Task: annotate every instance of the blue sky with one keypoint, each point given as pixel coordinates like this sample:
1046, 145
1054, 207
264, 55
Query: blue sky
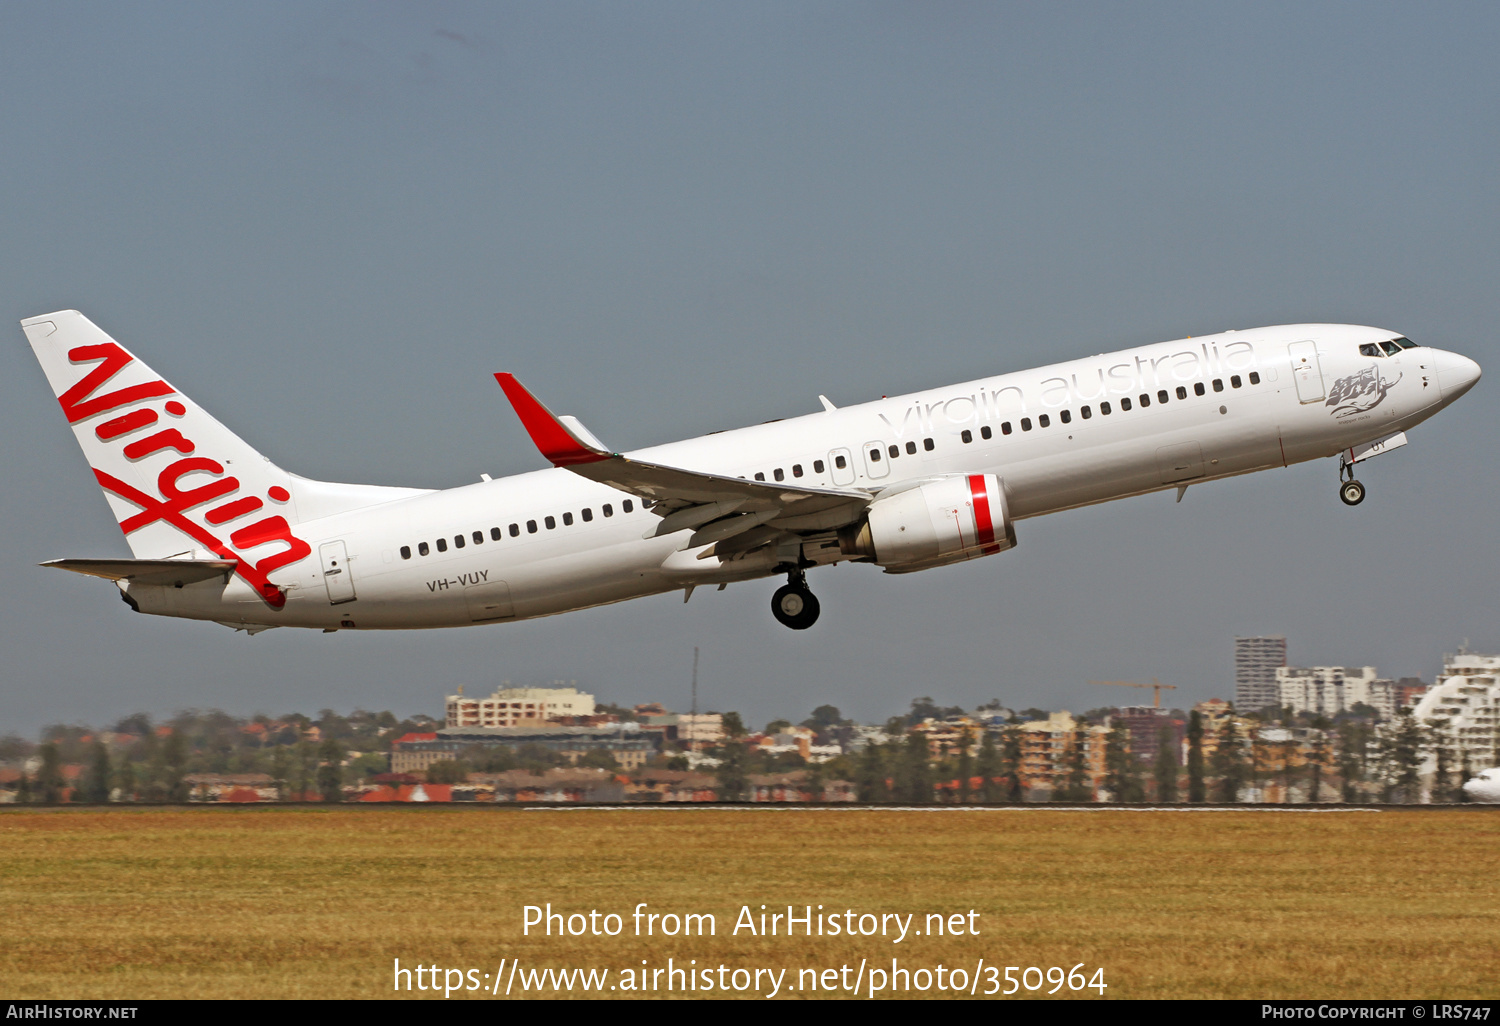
330, 223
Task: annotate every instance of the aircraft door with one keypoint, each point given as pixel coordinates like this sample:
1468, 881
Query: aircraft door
841, 466
875, 462
336, 575
1306, 371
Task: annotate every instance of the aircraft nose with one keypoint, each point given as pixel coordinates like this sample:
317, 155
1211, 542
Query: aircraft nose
1456, 374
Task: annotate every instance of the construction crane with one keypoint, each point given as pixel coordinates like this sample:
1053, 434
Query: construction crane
1156, 686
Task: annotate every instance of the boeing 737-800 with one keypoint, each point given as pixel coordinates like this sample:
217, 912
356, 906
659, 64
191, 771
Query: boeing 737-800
219, 532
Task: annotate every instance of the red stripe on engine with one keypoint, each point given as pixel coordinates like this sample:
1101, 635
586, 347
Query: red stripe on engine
982, 520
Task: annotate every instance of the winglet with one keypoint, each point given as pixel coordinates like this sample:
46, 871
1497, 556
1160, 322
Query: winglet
563, 447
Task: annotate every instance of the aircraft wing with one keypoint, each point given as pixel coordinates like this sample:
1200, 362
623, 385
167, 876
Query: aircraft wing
149, 571
684, 498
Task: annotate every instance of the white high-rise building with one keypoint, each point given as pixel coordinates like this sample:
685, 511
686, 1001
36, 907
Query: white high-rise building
1255, 663
1465, 705
1326, 690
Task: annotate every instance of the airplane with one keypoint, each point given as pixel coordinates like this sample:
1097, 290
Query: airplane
1484, 786
218, 532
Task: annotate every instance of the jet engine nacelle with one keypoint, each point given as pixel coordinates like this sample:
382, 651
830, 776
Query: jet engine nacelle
943, 521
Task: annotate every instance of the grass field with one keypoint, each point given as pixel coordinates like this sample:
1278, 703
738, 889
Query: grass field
317, 902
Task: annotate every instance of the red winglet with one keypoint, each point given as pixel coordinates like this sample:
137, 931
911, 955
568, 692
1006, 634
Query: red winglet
554, 440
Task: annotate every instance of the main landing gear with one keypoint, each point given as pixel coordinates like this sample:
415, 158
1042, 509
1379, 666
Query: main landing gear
793, 605
1350, 491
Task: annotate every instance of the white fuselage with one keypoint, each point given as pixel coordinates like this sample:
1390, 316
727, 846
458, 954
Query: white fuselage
1254, 413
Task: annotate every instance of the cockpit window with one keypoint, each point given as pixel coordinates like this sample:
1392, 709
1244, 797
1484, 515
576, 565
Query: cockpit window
1391, 348
1370, 349
1405, 343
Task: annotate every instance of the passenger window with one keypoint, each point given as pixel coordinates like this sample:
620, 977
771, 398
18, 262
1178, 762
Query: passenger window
627, 506
911, 447
817, 466
531, 527
1234, 381
442, 544
1218, 384
1125, 404
985, 432
1255, 377
796, 470
406, 552
779, 474
1198, 389
515, 530
1369, 349
496, 534
587, 514
1085, 413
607, 510
1104, 408
874, 455
840, 462
422, 549
966, 435
927, 444
458, 541
1163, 395
1043, 420
1391, 348
551, 523
894, 451
1146, 399
1025, 423
568, 519
1066, 416
478, 537
758, 477
1005, 427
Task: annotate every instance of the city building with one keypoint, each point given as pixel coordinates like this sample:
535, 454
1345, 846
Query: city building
1145, 726
1047, 747
230, 787
1215, 713
947, 737
413, 753
514, 707
1255, 663
796, 787
700, 730
1329, 690
555, 785
1389, 697
1464, 705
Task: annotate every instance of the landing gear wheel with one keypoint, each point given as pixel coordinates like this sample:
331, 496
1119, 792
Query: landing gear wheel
1352, 492
795, 607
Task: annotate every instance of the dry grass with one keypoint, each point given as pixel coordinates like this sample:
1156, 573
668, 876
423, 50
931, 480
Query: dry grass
317, 902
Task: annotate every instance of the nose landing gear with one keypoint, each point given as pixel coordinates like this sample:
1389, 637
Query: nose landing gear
793, 605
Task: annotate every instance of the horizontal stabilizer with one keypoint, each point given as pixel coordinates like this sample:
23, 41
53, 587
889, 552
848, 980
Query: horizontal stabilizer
149, 571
